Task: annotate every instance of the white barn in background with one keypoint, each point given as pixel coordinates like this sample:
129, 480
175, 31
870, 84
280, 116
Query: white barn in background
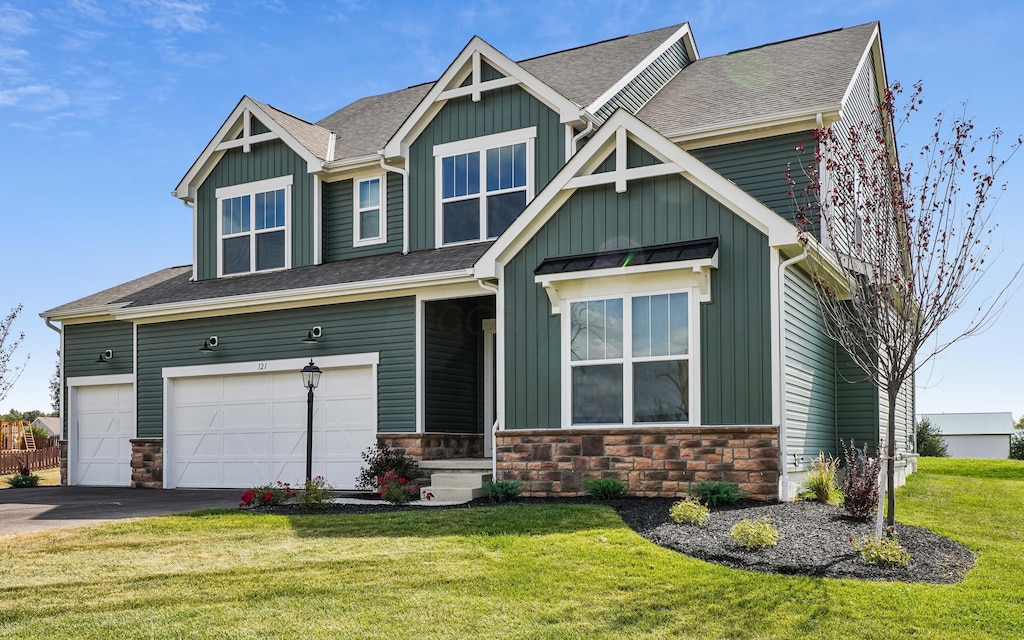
974, 435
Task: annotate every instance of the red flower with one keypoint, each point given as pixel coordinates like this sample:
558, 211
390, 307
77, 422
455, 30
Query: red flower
401, 481
268, 497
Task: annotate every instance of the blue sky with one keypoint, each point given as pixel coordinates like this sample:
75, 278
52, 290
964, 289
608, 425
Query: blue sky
105, 104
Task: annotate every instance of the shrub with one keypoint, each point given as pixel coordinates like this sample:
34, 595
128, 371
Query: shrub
23, 480
396, 489
605, 488
316, 494
503, 490
690, 511
930, 441
714, 493
884, 551
860, 488
378, 461
267, 495
754, 534
1017, 442
821, 481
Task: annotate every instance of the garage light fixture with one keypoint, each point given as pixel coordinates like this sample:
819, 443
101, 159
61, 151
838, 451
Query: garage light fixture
209, 344
105, 357
313, 335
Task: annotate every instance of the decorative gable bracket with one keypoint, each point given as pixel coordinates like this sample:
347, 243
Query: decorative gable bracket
247, 139
621, 175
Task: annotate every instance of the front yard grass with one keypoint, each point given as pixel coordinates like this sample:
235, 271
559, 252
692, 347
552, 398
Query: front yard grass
47, 478
546, 571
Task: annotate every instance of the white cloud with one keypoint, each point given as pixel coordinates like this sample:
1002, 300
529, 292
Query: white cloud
14, 22
172, 15
38, 97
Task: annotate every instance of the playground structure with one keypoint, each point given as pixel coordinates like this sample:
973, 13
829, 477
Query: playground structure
17, 436
19, 450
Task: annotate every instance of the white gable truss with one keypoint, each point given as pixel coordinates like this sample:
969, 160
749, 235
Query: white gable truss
227, 137
469, 64
579, 173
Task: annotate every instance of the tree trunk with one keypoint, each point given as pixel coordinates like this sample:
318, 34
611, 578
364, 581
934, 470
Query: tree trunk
890, 451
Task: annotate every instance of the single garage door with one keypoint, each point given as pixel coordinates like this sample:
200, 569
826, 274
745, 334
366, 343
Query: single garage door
245, 430
104, 425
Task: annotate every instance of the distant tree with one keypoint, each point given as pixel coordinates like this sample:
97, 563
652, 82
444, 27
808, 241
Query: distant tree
930, 442
909, 242
27, 416
1017, 441
9, 371
55, 387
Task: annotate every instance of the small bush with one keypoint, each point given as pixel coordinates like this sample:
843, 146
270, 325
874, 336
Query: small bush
378, 461
396, 489
23, 480
754, 534
605, 488
884, 551
1017, 442
860, 487
930, 441
316, 494
821, 481
503, 490
714, 493
267, 495
690, 511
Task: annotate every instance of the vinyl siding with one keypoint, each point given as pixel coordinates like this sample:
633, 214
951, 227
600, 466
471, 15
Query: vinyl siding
759, 167
501, 110
735, 365
648, 82
636, 156
383, 326
857, 406
339, 220
83, 344
265, 160
810, 383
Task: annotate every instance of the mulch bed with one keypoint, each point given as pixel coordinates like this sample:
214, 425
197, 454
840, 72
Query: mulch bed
814, 539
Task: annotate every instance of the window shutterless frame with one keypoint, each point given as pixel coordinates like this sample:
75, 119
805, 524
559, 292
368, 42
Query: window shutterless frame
363, 207
246, 195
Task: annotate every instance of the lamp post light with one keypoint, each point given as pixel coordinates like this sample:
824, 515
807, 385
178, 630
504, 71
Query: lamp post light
310, 380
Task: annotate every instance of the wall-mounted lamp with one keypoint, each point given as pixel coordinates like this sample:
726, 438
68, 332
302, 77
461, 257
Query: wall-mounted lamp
105, 357
314, 335
209, 344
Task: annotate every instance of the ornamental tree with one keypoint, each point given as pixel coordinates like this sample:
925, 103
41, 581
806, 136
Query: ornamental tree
9, 343
902, 246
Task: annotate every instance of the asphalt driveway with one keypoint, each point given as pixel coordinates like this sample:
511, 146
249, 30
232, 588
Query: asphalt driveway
23, 510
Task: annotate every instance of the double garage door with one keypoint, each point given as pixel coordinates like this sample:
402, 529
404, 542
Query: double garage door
234, 430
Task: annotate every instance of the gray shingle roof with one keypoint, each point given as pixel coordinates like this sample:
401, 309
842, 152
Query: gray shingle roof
174, 285
315, 138
785, 77
363, 127
122, 291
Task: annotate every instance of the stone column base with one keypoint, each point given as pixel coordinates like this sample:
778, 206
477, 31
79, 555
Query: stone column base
63, 463
435, 446
147, 463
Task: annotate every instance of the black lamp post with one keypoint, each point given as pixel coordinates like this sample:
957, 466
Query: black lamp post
310, 380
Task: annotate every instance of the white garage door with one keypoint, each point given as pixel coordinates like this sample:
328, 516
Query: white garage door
238, 431
104, 424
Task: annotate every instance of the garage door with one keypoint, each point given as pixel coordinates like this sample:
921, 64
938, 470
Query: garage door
104, 424
237, 431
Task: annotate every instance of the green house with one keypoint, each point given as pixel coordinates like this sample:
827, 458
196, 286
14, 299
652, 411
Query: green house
583, 264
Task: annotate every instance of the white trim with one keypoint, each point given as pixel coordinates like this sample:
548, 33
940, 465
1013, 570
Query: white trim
490, 332
246, 141
864, 57
93, 381
420, 368
257, 186
481, 143
435, 99
251, 189
270, 366
64, 415
755, 127
318, 219
774, 260
619, 177
382, 207
194, 206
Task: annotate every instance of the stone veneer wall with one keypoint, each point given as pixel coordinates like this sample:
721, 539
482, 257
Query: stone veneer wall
435, 446
147, 463
63, 463
658, 461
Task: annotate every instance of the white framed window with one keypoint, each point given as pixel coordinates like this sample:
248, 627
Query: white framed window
369, 215
483, 184
254, 226
630, 360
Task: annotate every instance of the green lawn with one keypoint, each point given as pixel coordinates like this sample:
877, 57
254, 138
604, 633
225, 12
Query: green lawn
524, 572
47, 478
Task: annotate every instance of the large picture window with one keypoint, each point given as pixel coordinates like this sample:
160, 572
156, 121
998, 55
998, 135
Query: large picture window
629, 359
484, 184
253, 226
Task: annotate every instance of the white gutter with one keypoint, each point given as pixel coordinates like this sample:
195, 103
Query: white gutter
405, 201
783, 470
576, 138
497, 421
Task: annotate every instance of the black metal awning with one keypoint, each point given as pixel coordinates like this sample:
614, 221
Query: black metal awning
655, 254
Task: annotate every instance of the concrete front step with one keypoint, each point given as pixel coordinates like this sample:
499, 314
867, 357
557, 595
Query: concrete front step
456, 480
459, 479
452, 494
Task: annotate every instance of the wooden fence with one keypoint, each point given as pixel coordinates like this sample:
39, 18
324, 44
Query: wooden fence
11, 461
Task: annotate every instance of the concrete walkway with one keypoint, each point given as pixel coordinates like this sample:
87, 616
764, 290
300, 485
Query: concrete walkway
24, 510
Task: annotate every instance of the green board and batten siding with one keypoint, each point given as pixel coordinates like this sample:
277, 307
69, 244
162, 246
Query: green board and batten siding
497, 111
83, 344
339, 215
735, 326
384, 326
264, 161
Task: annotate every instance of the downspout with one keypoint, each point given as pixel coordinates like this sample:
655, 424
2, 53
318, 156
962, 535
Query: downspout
60, 414
783, 463
405, 200
579, 136
497, 422
195, 238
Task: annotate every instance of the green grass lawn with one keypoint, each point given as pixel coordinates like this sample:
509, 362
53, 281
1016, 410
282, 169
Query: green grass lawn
47, 478
523, 572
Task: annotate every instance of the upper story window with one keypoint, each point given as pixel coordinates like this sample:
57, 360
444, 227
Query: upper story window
252, 226
483, 184
369, 224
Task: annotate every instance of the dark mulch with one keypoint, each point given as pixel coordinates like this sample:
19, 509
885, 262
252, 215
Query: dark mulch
814, 539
